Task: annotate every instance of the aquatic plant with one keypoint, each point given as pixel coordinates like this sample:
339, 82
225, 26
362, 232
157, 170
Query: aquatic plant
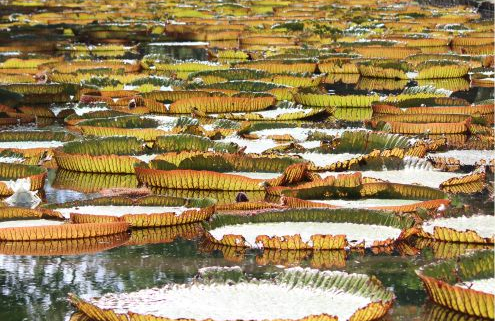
374, 300
101, 155
308, 228
144, 212
462, 284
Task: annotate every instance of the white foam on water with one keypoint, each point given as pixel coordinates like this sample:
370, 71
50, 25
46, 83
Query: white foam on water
484, 225
240, 301
115, 210
355, 233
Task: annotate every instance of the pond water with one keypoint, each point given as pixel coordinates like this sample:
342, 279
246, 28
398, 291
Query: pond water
36, 287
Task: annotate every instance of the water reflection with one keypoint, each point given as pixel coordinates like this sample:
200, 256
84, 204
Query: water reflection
184, 52
35, 287
56, 193
35, 277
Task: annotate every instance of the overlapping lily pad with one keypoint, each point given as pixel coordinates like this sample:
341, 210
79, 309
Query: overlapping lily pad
214, 171
468, 290
470, 229
65, 246
33, 145
150, 211
103, 155
146, 128
43, 229
92, 182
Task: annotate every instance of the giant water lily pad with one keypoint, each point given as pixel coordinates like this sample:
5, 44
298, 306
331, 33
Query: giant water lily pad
42, 229
279, 114
463, 158
221, 104
469, 289
472, 229
287, 258
448, 250
293, 294
266, 106
33, 145
103, 155
177, 143
299, 133
165, 234
214, 171
92, 182
79, 109
301, 229
146, 128
396, 205
446, 181
150, 211
88, 245
355, 186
